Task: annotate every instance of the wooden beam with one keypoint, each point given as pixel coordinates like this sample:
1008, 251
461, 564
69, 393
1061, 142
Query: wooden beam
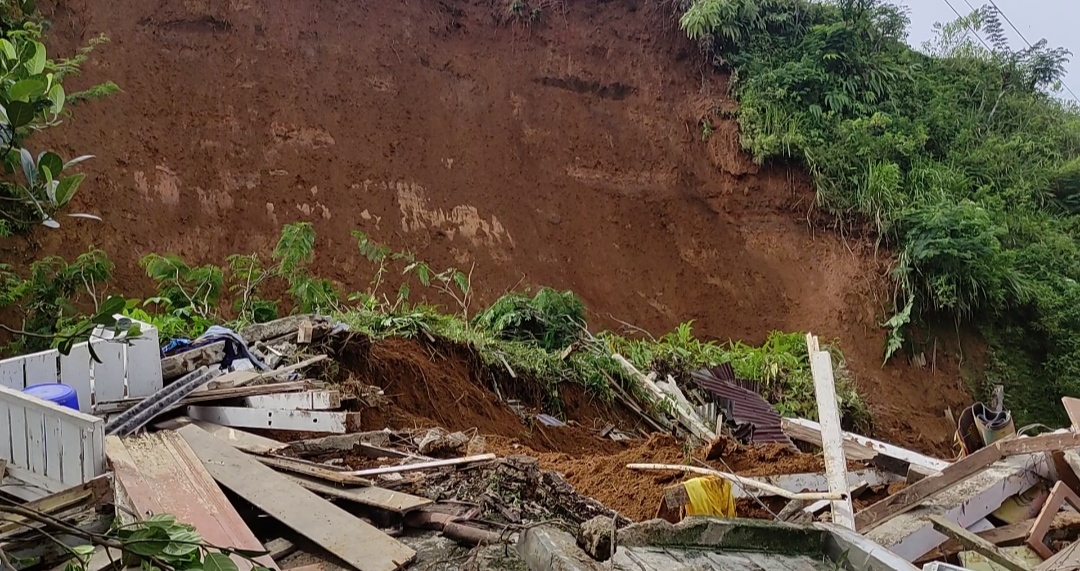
1007, 535
389, 500
1040, 443
977, 544
275, 418
1060, 494
239, 380
866, 448
349, 538
831, 433
159, 473
924, 489
313, 470
423, 465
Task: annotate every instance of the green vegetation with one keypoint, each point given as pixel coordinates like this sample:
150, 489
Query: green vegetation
33, 188
957, 157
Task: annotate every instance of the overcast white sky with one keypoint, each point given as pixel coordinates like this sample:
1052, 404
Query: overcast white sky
1056, 20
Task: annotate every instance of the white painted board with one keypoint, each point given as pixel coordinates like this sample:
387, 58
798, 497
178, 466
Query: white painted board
276, 418
75, 373
109, 373
310, 400
40, 368
11, 374
831, 436
144, 363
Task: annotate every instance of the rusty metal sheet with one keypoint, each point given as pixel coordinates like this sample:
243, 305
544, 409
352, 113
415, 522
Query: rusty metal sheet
747, 405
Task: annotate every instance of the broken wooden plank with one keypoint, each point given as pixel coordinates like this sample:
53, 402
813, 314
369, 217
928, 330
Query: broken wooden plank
910, 535
912, 495
803, 433
213, 395
280, 548
976, 543
352, 540
831, 434
95, 492
423, 465
276, 328
159, 473
367, 441
175, 366
275, 418
307, 400
854, 492
1040, 443
859, 447
1059, 495
1007, 535
238, 381
304, 332
373, 496
1068, 559
1072, 409
246, 441
313, 470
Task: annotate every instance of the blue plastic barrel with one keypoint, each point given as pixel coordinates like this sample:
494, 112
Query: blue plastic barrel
58, 393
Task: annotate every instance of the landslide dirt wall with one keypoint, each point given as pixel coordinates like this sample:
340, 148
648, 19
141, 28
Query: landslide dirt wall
565, 151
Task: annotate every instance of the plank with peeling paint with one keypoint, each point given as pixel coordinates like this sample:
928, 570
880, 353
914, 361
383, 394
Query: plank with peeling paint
159, 473
339, 532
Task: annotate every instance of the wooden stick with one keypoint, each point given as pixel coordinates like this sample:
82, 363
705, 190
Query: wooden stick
421, 466
1040, 443
976, 543
746, 482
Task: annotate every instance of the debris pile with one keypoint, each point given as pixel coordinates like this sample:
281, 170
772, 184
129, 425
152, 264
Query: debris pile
283, 442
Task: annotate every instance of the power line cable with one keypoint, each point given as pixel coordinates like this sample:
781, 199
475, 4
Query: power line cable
1022, 37
969, 28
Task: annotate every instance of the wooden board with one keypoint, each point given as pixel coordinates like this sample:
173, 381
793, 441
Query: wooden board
176, 366
922, 490
307, 400
1012, 534
1059, 495
144, 364
349, 538
109, 373
11, 374
40, 368
75, 372
95, 492
212, 395
273, 418
159, 473
798, 432
246, 441
1040, 443
381, 498
1072, 408
976, 543
831, 434
313, 470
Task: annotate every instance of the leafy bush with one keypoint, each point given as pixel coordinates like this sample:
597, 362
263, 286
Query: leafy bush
551, 319
957, 155
32, 98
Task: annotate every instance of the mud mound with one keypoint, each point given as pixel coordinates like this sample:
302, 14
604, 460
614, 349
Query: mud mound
446, 385
566, 152
636, 494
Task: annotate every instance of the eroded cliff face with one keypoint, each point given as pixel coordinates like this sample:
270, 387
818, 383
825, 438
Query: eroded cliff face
565, 150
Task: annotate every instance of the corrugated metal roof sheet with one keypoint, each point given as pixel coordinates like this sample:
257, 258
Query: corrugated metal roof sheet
747, 405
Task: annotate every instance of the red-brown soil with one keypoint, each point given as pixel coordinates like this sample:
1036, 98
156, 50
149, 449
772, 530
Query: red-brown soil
567, 152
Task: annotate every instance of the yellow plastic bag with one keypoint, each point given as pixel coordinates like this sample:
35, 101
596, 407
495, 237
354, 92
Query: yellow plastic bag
709, 496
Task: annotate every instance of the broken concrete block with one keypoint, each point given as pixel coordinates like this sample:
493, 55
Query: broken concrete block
595, 537
552, 549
